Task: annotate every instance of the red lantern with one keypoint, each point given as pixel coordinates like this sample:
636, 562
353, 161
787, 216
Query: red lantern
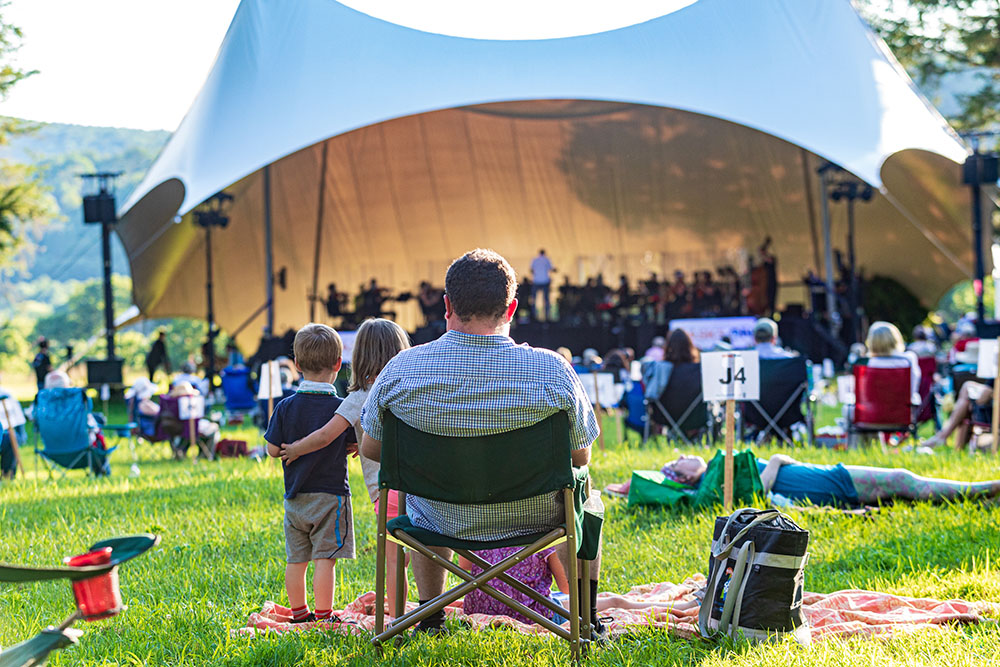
96, 597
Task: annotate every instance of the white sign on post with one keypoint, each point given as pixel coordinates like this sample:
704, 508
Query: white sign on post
987, 362
730, 375
191, 407
15, 412
602, 385
270, 381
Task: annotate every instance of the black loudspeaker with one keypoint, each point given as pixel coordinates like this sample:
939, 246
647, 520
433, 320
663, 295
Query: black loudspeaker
979, 169
99, 208
104, 371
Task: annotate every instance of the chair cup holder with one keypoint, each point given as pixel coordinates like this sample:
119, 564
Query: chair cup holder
99, 596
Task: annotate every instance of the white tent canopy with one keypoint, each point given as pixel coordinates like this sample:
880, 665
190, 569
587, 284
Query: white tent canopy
670, 143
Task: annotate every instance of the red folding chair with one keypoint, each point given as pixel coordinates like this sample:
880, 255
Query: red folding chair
882, 402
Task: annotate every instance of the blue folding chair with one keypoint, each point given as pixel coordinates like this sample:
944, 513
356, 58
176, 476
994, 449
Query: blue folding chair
61, 423
238, 388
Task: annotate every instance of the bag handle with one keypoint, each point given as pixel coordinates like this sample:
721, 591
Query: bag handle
722, 549
739, 577
738, 604
705, 611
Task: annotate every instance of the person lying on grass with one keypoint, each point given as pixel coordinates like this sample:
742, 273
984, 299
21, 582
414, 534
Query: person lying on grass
842, 485
377, 341
319, 526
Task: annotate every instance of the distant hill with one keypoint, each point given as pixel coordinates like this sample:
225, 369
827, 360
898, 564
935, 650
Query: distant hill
70, 250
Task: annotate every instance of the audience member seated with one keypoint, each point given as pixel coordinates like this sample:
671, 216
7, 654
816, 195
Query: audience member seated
974, 404
765, 336
655, 351
922, 345
475, 380
60, 380
965, 347
187, 374
8, 465
141, 408
676, 383
179, 430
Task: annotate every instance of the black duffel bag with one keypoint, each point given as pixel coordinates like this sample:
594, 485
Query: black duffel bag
755, 577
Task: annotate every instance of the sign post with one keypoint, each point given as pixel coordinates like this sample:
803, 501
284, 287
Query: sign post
603, 394
727, 484
730, 377
9, 426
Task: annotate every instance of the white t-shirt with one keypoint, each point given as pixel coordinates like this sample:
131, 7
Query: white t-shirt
540, 269
350, 409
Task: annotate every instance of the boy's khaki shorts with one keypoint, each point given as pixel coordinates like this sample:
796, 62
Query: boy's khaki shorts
317, 526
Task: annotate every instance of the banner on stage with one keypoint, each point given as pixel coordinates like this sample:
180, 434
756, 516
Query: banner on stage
191, 407
602, 385
15, 412
707, 332
730, 375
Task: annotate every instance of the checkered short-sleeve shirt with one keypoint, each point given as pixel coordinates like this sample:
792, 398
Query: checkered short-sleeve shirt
468, 385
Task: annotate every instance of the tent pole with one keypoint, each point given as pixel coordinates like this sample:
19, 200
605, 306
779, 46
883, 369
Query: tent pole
977, 251
269, 251
319, 234
831, 298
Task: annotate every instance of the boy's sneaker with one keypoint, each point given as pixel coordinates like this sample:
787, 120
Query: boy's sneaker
310, 618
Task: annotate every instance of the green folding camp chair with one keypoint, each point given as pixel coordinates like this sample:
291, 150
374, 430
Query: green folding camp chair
476, 471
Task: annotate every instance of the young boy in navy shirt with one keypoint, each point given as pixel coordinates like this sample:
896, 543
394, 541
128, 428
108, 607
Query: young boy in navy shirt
319, 525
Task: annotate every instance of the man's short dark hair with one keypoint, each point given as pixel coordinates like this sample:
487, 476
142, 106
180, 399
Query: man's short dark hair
480, 283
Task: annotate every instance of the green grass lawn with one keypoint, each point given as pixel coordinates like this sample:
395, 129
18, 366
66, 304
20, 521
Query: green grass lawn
222, 556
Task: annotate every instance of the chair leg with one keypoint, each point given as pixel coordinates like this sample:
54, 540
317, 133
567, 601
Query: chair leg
380, 564
400, 608
586, 603
574, 588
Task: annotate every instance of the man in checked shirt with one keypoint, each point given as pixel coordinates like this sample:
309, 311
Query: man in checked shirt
473, 381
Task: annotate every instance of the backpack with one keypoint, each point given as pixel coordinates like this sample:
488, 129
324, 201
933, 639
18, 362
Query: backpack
755, 578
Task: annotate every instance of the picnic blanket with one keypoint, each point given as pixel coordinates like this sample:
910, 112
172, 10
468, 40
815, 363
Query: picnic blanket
841, 614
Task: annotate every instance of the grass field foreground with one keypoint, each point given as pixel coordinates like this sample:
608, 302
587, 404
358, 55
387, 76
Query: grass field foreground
222, 556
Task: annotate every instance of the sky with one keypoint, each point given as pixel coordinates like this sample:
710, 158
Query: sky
140, 63
120, 63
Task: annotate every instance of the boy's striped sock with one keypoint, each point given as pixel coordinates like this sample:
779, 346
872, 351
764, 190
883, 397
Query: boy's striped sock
300, 613
322, 614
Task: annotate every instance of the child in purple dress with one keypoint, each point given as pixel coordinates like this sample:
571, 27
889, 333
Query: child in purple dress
537, 571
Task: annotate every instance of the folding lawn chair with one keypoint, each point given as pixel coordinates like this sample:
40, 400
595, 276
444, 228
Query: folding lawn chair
483, 470
238, 389
680, 408
784, 385
61, 419
177, 431
882, 402
928, 400
635, 408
